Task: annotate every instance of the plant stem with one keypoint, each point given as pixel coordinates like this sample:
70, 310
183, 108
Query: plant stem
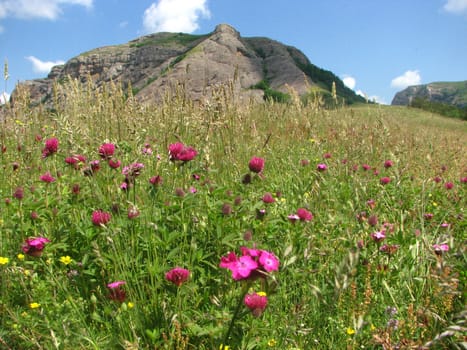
245, 288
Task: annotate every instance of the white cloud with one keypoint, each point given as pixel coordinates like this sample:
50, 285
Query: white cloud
39, 66
46, 9
410, 77
456, 6
4, 97
174, 16
349, 81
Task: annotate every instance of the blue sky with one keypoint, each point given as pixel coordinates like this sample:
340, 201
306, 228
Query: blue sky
378, 47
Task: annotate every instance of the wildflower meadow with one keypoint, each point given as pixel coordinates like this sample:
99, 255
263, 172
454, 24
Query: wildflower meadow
230, 225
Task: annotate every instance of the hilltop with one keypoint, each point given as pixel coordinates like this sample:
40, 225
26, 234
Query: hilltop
451, 93
155, 64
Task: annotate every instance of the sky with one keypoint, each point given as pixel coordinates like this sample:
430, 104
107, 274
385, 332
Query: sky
377, 47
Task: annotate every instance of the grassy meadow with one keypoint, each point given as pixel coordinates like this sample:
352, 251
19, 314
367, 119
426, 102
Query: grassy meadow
351, 235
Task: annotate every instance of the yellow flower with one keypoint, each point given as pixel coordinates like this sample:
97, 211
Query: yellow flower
435, 204
272, 342
224, 347
261, 294
372, 327
350, 331
66, 260
130, 305
4, 261
20, 256
34, 305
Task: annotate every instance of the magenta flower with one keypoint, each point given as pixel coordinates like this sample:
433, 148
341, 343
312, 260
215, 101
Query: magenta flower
464, 180
177, 276
378, 236
256, 302
47, 178
327, 155
366, 167
385, 180
133, 170
428, 216
293, 218
100, 217
440, 248
448, 185
256, 165
304, 215
268, 261
75, 160
107, 150
19, 193
178, 151
34, 246
268, 198
50, 147
251, 264
388, 163
95, 165
116, 291
156, 180
321, 167
114, 163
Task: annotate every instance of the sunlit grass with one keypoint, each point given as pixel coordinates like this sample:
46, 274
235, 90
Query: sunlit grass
338, 285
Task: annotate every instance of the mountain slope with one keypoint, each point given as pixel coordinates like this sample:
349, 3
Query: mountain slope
452, 93
159, 63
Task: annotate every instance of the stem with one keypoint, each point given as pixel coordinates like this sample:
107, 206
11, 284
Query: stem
246, 286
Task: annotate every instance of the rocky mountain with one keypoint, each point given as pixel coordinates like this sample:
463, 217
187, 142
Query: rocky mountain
156, 63
451, 93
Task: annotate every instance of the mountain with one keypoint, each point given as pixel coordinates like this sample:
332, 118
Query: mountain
253, 68
450, 93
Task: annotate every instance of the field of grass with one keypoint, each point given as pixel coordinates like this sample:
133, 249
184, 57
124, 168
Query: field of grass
351, 235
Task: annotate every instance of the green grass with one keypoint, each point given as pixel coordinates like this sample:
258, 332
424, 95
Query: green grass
334, 288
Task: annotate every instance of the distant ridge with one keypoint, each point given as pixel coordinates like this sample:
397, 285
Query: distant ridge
451, 93
254, 68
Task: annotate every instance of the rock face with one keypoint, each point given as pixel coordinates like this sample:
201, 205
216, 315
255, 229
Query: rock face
156, 63
453, 93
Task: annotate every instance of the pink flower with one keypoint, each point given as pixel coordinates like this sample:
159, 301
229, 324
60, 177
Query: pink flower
47, 178
107, 150
268, 198
177, 276
388, 163
304, 215
155, 180
293, 218
464, 180
252, 264
95, 165
114, 163
268, 261
75, 160
366, 167
327, 155
428, 216
256, 302
385, 180
34, 246
51, 147
133, 170
116, 291
437, 179
256, 165
448, 185
178, 151
19, 193
440, 248
321, 167
371, 203
133, 212
378, 236
100, 217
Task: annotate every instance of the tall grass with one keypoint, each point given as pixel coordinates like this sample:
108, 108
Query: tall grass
337, 286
